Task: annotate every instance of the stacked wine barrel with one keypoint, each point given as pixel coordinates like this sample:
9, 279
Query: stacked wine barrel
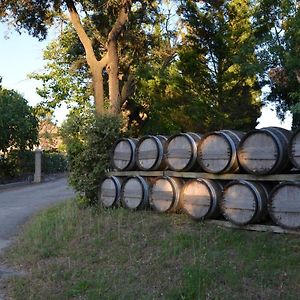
151, 172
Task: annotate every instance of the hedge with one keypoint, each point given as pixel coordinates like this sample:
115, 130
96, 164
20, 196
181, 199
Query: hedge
21, 164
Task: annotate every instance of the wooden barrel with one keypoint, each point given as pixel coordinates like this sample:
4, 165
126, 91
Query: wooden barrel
284, 205
294, 149
150, 153
165, 194
123, 154
181, 151
264, 151
244, 202
135, 193
109, 192
200, 198
217, 151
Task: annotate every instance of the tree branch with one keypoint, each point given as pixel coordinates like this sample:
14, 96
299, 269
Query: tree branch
84, 39
103, 62
120, 22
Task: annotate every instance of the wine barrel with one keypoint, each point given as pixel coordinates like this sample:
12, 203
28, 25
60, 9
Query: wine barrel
123, 154
294, 149
181, 151
217, 151
165, 194
109, 192
244, 202
284, 205
135, 193
200, 198
150, 153
264, 151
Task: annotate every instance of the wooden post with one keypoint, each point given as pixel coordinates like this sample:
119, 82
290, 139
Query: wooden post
38, 166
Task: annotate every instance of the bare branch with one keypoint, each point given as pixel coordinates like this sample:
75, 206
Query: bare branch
85, 40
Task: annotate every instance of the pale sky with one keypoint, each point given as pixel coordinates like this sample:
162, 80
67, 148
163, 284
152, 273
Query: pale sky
22, 54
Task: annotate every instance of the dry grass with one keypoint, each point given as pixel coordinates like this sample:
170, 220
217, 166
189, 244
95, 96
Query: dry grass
70, 253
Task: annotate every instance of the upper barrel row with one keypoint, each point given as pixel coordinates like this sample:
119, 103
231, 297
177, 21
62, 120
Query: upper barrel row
262, 151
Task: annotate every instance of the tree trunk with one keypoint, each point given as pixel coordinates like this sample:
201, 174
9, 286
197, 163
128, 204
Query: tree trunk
97, 81
113, 60
113, 78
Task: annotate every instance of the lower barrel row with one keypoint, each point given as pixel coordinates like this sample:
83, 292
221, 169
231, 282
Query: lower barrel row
241, 202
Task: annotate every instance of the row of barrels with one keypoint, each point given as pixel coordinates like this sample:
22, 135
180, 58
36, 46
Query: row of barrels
263, 151
241, 202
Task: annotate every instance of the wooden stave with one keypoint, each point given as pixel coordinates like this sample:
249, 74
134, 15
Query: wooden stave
145, 193
290, 149
281, 142
193, 139
260, 191
176, 184
233, 139
117, 181
215, 190
132, 162
270, 202
160, 163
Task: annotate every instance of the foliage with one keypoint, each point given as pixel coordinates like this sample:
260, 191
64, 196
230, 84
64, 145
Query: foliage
21, 164
49, 136
17, 164
200, 75
18, 125
277, 25
67, 79
218, 64
89, 140
99, 26
190, 72
54, 162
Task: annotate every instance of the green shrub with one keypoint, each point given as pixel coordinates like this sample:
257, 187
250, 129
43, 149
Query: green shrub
89, 140
18, 164
54, 162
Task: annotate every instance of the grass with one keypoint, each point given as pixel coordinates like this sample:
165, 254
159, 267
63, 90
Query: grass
70, 253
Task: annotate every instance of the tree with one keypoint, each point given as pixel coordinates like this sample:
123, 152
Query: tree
277, 27
18, 125
101, 54
49, 135
219, 65
66, 78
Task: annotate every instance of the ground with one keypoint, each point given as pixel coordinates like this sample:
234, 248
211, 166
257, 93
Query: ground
19, 203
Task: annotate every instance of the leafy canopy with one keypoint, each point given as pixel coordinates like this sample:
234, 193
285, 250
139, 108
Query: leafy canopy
277, 30
18, 124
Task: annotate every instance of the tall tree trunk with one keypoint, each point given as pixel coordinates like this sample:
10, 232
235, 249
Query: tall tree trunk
113, 59
113, 78
97, 81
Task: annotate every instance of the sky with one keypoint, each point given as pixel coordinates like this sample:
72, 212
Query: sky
21, 55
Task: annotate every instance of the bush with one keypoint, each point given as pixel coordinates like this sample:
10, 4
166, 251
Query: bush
54, 162
16, 164
89, 140
21, 164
